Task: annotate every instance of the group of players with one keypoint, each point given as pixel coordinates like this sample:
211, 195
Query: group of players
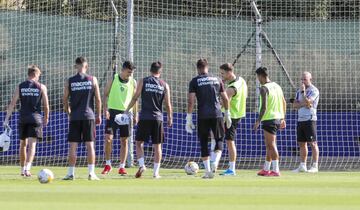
219, 111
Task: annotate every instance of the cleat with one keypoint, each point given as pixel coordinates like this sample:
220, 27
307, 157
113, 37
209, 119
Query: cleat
208, 175
313, 170
301, 169
93, 177
122, 171
273, 173
107, 169
22, 174
263, 173
27, 174
69, 177
228, 172
140, 172
157, 176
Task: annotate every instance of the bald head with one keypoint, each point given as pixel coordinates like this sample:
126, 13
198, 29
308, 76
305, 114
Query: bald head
306, 78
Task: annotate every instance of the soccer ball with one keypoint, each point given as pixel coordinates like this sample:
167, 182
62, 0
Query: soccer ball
191, 168
45, 176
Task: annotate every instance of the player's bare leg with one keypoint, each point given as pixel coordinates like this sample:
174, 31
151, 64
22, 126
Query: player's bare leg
266, 168
72, 161
108, 152
22, 154
157, 159
303, 157
270, 142
315, 157
91, 160
123, 155
140, 157
30, 154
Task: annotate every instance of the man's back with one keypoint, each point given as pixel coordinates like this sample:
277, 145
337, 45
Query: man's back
152, 96
207, 89
82, 92
30, 100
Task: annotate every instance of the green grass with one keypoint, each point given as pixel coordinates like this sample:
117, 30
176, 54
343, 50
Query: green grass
177, 191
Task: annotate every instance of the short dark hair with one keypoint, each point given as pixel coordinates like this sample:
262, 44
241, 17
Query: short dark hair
155, 67
128, 65
80, 60
32, 69
227, 67
202, 63
262, 71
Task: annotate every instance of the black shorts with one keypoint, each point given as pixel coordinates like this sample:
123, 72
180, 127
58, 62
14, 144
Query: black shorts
111, 126
230, 133
306, 131
271, 126
81, 131
150, 128
30, 130
216, 125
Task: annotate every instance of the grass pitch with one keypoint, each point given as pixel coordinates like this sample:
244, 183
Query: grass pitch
177, 191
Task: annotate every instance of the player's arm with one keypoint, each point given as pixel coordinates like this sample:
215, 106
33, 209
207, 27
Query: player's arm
264, 95
168, 105
11, 106
297, 103
66, 98
136, 106
97, 101
136, 95
45, 102
106, 97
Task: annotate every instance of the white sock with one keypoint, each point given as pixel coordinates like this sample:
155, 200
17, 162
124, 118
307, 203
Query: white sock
23, 169
212, 156
267, 165
156, 169
315, 165
232, 166
141, 162
91, 168
303, 164
28, 166
71, 170
275, 165
217, 157
207, 165
108, 162
122, 165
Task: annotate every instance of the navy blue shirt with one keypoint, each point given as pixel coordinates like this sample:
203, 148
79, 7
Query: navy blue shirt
82, 93
30, 102
207, 89
152, 97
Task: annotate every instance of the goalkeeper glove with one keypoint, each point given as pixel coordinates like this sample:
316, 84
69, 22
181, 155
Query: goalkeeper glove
227, 119
189, 124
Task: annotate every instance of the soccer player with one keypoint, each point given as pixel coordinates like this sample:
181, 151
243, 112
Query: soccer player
118, 93
208, 89
237, 93
154, 91
272, 116
31, 94
80, 91
306, 102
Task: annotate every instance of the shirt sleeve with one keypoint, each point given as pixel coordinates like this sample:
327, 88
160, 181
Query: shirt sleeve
312, 94
192, 86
